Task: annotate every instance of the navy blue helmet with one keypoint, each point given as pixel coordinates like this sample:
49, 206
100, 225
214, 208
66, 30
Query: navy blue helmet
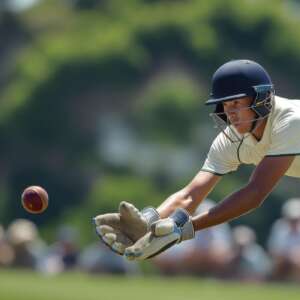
241, 78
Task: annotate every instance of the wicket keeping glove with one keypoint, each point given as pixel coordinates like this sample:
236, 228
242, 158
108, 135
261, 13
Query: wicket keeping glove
121, 230
164, 234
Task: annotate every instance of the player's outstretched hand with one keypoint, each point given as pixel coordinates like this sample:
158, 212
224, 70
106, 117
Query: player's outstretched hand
122, 229
164, 234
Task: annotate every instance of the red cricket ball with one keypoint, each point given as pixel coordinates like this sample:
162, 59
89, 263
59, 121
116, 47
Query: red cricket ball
35, 199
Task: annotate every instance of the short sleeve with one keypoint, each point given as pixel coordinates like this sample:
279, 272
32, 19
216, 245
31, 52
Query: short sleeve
285, 136
222, 157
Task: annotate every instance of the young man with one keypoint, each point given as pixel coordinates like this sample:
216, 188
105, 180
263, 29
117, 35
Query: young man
257, 128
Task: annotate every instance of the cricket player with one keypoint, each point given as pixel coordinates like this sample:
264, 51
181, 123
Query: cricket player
256, 127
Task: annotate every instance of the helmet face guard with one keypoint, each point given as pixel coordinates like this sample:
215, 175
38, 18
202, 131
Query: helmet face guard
261, 105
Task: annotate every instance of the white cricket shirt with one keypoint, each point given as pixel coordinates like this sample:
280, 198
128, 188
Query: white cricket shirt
281, 137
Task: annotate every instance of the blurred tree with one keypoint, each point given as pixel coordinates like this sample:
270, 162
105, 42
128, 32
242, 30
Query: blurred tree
169, 109
80, 65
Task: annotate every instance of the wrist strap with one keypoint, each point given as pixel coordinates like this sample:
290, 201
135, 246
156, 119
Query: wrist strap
183, 219
150, 214
188, 231
180, 216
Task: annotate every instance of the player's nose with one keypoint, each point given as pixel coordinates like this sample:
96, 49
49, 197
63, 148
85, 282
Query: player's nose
230, 111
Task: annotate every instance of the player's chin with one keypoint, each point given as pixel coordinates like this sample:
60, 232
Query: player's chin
241, 128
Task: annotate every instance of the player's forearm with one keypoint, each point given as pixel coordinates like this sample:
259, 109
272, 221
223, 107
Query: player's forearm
235, 205
191, 196
179, 199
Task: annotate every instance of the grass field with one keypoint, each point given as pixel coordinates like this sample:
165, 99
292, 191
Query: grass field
16, 285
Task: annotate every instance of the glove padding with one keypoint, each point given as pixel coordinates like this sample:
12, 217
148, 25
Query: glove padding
164, 234
121, 230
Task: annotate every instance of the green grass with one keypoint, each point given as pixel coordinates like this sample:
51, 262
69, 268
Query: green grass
17, 285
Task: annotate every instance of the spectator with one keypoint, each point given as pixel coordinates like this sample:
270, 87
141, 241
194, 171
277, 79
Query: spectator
67, 245
6, 252
208, 254
250, 261
63, 254
24, 239
284, 242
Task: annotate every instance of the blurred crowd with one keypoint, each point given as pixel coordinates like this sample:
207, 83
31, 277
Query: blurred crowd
22, 247
224, 252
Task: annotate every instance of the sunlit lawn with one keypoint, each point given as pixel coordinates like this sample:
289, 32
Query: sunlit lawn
17, 285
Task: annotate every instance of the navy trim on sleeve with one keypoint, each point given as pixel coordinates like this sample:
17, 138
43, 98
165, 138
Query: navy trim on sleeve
289, 154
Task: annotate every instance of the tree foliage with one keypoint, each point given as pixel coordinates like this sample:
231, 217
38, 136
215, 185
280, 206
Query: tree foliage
86, 60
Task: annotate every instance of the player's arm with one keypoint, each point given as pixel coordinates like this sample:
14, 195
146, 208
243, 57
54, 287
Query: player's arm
263, 180
180, 226
191, 195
